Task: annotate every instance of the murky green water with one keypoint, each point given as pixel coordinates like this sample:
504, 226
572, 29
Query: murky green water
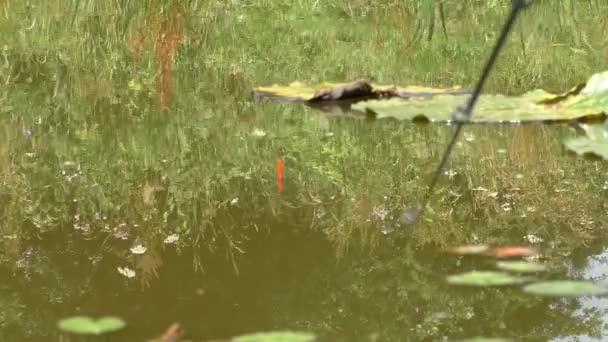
138, 174
322, 256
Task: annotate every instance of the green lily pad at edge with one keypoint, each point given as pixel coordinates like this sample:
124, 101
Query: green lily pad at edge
536, 105
277, 336
485, 278
521, 266
587, 100
566, 288
87, 326
594, 143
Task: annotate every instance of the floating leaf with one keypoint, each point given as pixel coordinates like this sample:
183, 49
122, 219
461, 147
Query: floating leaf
587, 100
567, 288
490, 108
87, 326
537, 105
359, 89
278, 336
485, 278
595, 143
513, 251
469, 249
521, 266
596, 83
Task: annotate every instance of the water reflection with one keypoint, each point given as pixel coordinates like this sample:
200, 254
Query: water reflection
327, 254
592, 267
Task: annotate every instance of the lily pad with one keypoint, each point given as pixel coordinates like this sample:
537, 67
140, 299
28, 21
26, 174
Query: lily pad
485, 278
587, 100
595, 143
84, 325
521, 266
566, 288
359, 89
590, 101
278, 336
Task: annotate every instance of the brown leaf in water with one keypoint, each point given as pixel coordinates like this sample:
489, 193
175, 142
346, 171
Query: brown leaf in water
174, 333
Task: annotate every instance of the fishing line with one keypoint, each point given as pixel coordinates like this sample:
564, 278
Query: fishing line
462, 115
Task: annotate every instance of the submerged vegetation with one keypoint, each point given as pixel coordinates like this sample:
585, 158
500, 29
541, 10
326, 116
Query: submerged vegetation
132, 153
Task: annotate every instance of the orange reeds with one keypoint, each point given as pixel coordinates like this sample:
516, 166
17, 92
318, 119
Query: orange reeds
166, 31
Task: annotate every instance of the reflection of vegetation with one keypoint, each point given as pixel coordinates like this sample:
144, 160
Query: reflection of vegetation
126, 123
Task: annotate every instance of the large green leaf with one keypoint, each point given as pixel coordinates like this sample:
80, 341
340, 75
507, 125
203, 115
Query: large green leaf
411, 103
521, 266
590, 101
566, 288
595, 142
277, 336
87, 326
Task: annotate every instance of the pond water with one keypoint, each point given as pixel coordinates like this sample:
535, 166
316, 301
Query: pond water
327, 256
138, 175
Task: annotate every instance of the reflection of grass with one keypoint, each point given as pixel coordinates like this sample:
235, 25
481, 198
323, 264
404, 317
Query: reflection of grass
91, 82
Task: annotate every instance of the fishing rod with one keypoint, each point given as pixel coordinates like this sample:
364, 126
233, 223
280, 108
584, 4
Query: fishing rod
462, 115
